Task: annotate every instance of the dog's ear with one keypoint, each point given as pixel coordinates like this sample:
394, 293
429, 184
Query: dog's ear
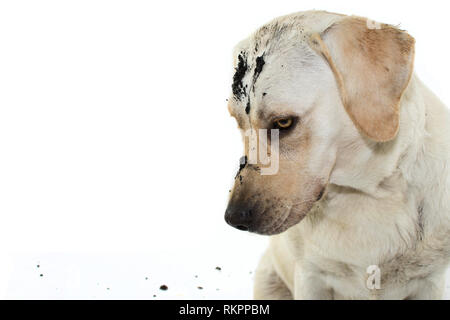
373, 64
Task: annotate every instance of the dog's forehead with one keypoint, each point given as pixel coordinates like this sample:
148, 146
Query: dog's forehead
257, 78
265, 59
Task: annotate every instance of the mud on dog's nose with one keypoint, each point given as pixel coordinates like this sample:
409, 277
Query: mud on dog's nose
238, 217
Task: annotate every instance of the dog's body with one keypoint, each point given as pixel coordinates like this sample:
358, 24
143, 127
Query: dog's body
401, 225
380, 192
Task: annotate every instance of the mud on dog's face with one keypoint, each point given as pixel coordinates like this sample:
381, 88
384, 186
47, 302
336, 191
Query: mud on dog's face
319, 99
278, 92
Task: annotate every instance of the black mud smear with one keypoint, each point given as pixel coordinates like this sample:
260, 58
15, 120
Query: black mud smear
259, 67
218, 268
242, 164
247, 108
241, 69
260, 62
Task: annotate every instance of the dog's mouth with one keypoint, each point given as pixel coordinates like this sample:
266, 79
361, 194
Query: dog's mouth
270, 214
291, 218
278, 226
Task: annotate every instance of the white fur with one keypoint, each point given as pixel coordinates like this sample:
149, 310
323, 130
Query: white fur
387, 204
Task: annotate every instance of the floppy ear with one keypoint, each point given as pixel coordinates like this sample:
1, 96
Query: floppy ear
373, 67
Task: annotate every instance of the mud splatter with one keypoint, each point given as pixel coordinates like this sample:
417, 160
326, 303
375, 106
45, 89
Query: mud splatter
242, 164
247, 108
240, 71
260, 62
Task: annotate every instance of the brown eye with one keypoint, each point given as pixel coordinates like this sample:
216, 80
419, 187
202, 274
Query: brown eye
283, 124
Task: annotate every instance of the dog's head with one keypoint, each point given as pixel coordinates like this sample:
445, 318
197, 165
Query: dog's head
322, 81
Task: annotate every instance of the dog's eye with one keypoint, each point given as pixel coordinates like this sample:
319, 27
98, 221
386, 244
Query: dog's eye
283, 124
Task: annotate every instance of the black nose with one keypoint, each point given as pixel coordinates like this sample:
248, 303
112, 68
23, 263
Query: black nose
239, 217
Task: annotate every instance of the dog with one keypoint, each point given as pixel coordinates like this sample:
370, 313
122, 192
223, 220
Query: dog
359, 207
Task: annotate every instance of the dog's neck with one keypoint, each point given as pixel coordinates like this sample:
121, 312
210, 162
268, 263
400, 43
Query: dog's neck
377, 163
414, 164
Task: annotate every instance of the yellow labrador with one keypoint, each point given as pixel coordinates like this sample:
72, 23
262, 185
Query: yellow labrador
359, 207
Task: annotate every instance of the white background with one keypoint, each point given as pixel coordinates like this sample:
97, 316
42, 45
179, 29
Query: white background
116, 148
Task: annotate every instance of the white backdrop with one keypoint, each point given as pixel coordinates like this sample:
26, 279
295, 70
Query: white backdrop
116, 148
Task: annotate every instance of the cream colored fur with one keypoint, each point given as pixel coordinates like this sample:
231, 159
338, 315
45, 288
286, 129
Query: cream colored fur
387, 204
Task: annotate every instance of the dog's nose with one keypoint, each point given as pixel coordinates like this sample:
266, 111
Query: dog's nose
238, 217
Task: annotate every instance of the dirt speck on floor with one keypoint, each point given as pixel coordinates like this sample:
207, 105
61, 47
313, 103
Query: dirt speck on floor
164, 287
